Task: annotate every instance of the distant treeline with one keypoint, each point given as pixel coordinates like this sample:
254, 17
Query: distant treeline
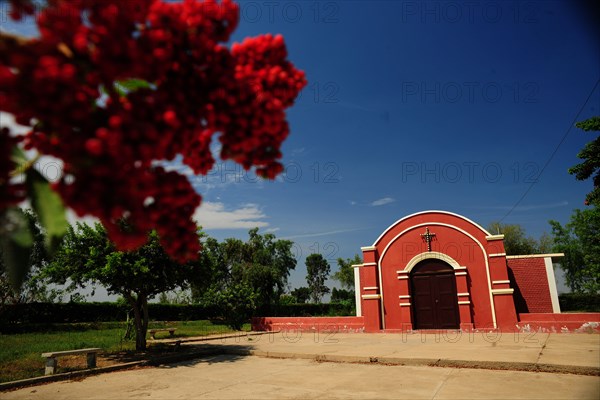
13, 316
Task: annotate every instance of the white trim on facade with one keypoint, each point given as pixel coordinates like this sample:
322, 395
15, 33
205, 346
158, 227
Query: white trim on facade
500, 282
403, 277
464, 302
497, 255
463, 294
404, 296
371, 288
404, 304
502, 291
460, 273
368, 248
357, 292
371, 296
427, 212
381, 294
427, 255
551, 255
485, 258
552, 284
494, 237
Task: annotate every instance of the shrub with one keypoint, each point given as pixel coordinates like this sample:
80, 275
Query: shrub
579, 302
12, 316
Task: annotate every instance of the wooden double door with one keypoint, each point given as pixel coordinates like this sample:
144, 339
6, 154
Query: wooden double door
434, 297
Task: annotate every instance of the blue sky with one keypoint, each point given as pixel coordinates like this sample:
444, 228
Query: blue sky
410, 106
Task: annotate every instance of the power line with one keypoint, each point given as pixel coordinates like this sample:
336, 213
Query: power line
553, 153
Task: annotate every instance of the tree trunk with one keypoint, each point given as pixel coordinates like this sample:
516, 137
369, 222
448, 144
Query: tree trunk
141, 323
143, 303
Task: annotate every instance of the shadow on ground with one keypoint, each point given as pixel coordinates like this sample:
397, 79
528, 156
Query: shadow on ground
214, 359
172, 355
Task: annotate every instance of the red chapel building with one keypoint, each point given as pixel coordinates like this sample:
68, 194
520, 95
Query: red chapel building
440, 270
436, 270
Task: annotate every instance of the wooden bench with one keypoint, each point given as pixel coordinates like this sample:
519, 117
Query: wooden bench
153, 331
51, 358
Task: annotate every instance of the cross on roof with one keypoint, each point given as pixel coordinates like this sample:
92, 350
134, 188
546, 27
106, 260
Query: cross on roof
428, 237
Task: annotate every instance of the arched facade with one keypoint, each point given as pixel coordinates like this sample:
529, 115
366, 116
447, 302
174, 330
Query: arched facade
435, 270
476, 269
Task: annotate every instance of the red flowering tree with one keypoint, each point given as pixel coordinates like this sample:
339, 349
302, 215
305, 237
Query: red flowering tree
111, 87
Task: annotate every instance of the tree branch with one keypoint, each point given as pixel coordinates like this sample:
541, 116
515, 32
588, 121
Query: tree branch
9, 41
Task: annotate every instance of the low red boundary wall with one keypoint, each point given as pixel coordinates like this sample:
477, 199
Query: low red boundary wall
309, 324
565, 323
575, 322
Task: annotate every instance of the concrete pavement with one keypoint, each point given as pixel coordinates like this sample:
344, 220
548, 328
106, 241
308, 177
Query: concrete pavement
365, 366
235, 377
575, 353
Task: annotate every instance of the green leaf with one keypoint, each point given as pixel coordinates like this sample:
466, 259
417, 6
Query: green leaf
126, 86
134, 84
49, 208
16, 241
131, 85
18, 156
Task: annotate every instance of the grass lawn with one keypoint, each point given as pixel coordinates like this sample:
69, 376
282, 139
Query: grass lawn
20, 354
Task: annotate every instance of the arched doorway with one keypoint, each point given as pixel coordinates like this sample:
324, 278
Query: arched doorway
434, 299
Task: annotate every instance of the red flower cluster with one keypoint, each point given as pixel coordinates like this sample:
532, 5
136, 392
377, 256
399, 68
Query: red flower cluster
68, 85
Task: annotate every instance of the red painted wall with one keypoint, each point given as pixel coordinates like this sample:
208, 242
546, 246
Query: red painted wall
451, 242
309, 324
294, 326
458, 238
560, 323
528, 278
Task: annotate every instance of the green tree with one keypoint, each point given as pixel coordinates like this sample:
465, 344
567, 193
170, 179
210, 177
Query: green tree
579, 239
86, 255
262, 264
545, 244
342, 296
590, 167
317, 271
235, 303
212, 269
30, 287
270, 264
345, 275
301, 294
175, 297
286, 299
515, 240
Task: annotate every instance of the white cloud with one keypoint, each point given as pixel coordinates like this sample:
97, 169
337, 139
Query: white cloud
72, 218
50, 167
221, 176
382, 202
213, 215
177, 167
8, 120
